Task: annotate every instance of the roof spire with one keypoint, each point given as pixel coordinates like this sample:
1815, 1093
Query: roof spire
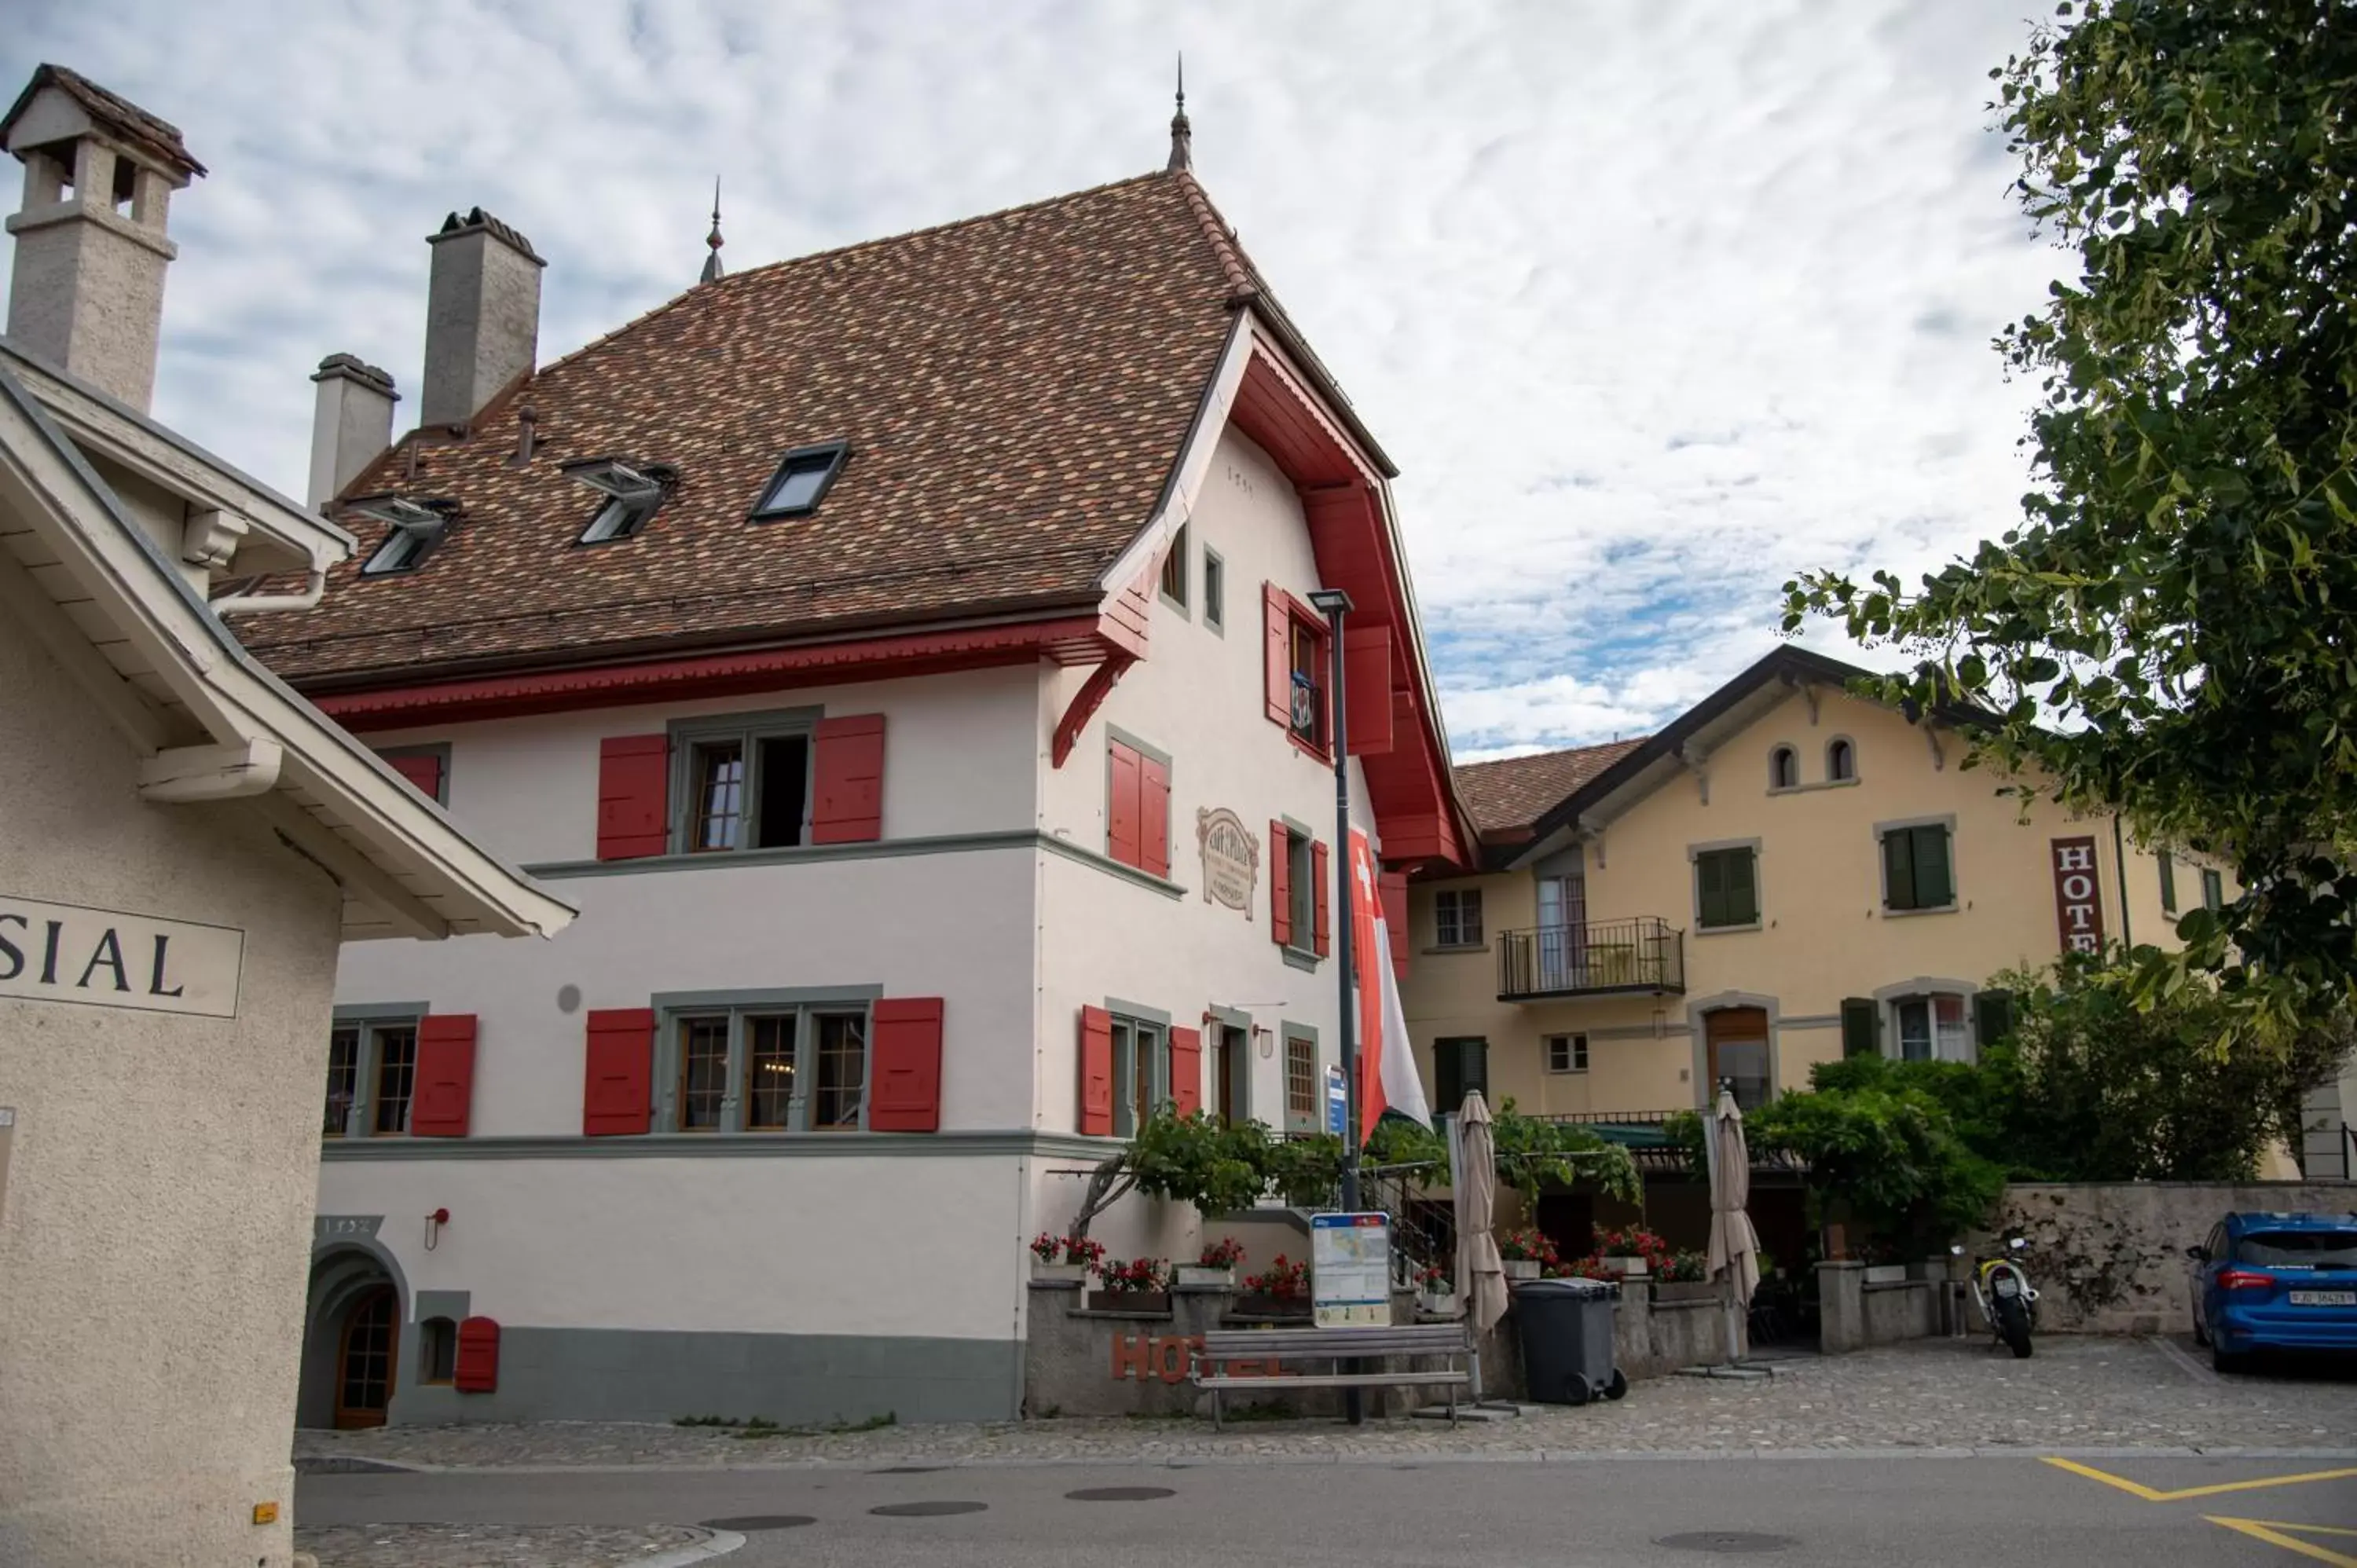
1182, 135
712, 268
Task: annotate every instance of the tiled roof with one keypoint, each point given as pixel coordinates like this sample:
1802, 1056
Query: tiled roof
1015, 390
160, 139
1515, 791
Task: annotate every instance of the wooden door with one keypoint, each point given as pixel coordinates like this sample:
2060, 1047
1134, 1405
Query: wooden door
1736, 1049
364, 1358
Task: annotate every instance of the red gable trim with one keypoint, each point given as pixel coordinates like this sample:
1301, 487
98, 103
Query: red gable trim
1079, 640
1413, 795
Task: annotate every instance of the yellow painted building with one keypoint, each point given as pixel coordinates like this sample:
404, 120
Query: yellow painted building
1784, 872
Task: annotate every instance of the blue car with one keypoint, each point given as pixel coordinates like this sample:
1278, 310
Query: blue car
2275, 1282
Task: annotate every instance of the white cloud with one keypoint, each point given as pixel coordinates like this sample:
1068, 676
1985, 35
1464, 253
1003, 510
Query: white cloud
1653, 305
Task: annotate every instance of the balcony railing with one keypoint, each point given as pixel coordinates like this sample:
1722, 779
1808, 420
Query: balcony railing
1644, 954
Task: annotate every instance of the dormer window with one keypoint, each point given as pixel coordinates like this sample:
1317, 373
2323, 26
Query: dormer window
415, 529
801, 481
633, 492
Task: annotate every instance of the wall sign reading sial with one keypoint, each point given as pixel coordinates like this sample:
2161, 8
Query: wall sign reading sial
104, 958
1230, 858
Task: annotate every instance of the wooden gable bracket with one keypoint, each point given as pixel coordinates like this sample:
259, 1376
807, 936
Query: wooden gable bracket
1808, 689
1593, 826
1085, 702
1697, 761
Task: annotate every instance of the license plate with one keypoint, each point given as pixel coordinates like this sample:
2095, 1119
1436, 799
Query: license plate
2324, 1298
2005, 1285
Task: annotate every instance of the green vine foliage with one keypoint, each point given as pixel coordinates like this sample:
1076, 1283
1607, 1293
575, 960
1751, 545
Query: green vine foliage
2171, 632
1218, 1167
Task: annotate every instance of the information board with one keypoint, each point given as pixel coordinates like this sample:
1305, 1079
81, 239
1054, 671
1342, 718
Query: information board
1350, 1270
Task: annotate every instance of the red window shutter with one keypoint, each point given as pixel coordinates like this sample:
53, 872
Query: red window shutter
616, 1095
848, 800
1121, 836
477, 1369
1280, 884
1186, 1071
1279, 622
1318, 898
1390, 888
422, 769
633, 796
1154, 816
445, 1076
1367, 687
1096, 1072
904, 1051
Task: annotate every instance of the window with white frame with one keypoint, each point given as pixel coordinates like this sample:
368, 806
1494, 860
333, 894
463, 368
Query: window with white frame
1141, 1068
1567, 1053
763, 1066
1457, 917
371, 1077
1300, 1081
1936, 1028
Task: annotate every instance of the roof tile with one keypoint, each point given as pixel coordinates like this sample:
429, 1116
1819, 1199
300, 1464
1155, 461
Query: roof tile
1509, 795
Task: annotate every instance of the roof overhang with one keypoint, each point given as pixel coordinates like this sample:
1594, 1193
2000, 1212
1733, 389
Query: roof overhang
209, 722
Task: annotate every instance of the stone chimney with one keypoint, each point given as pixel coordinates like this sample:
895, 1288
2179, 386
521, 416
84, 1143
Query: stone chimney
482, 315
88, 292
351, 424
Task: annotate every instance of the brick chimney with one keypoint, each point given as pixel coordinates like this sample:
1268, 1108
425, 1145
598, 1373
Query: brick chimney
351, 424
482, 315
88, 292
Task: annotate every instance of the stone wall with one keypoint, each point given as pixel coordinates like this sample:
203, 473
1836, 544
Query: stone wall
2109, 1257
1854, 1314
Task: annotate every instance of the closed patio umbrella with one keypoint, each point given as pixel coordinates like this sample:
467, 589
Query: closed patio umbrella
1480, 1273
1734, 1245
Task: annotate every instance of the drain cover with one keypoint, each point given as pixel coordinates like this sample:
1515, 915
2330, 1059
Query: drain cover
925, 1510
1727, 1540
746, 1523
1120, 1494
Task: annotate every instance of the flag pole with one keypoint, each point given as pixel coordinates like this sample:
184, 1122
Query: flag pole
1335, 604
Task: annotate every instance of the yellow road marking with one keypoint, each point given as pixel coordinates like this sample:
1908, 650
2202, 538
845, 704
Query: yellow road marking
2153, 1495
2272, 1533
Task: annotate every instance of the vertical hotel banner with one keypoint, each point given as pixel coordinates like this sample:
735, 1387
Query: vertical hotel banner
2078, 894
1387, 1075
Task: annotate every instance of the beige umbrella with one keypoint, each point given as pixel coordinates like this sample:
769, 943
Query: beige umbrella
1480, 1273
1734, 1245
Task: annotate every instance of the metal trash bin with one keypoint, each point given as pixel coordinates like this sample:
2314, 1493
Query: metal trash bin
1567, 1334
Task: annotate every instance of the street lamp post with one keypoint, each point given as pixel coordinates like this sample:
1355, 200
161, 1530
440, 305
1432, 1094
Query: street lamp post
1335, 605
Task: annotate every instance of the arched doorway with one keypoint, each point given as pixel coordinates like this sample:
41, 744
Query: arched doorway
367, 1349
352, 1340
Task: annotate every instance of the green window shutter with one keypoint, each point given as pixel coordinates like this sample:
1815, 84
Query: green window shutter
1992, 1016
1710, 890
2167, 882
1449, 1073
1897, 870
1934, 884
1475, 1069
1859, 1016
1742, 887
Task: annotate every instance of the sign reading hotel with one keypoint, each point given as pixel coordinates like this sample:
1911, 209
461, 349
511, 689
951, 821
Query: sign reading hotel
1230, 858
104, 958
2078, 896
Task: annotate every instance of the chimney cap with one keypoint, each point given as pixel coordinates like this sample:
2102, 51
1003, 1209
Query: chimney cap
158, 138
352, 368
476, 221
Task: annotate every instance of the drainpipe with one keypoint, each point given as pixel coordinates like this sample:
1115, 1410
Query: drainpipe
2120, 863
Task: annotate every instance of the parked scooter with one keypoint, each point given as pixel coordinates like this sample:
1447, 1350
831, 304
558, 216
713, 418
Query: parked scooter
2008, 1306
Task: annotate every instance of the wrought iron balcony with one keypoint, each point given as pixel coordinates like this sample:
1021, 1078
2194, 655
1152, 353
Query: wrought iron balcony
1646, 955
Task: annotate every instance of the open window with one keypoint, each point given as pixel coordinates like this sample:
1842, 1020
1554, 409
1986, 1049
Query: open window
804, 476
745, 782
412, 530
1297, 656
629, 493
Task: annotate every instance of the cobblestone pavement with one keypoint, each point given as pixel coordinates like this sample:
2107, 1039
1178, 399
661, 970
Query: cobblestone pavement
488, 1545
2075, 1393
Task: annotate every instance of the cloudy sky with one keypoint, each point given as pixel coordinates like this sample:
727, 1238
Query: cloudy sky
1653, 302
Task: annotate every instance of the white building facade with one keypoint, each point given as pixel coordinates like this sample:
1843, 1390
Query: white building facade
889, 932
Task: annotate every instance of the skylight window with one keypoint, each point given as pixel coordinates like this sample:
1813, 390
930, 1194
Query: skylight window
634, 491
801, 481
415, 528
619, 518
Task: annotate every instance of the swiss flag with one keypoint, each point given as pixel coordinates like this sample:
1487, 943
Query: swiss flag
1387, 1077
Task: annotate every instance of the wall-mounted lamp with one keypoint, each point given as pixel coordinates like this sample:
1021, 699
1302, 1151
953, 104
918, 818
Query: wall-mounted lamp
434, 1223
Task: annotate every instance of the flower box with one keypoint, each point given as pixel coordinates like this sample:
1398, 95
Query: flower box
1270, 1308
1059, 1273
1686, 1290
1524, 1268
1886, 1273
1436, 1302
1632, 1268
1196, 1276
1152, 1302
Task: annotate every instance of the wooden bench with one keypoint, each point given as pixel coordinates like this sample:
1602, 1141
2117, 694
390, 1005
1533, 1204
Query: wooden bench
1442, 1341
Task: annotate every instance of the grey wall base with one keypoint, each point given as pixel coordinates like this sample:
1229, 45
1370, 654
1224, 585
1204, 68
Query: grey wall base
1854, 1314
795, 1379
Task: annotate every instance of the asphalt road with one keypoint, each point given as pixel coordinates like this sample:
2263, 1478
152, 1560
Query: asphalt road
1831, 1512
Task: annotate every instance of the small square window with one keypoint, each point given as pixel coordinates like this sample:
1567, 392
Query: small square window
1215, 590
1727, 888
2213, 890
1300, 1081
1918, 868
1457, 917
403, 550
1567, 1053
619, 518
801, 481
